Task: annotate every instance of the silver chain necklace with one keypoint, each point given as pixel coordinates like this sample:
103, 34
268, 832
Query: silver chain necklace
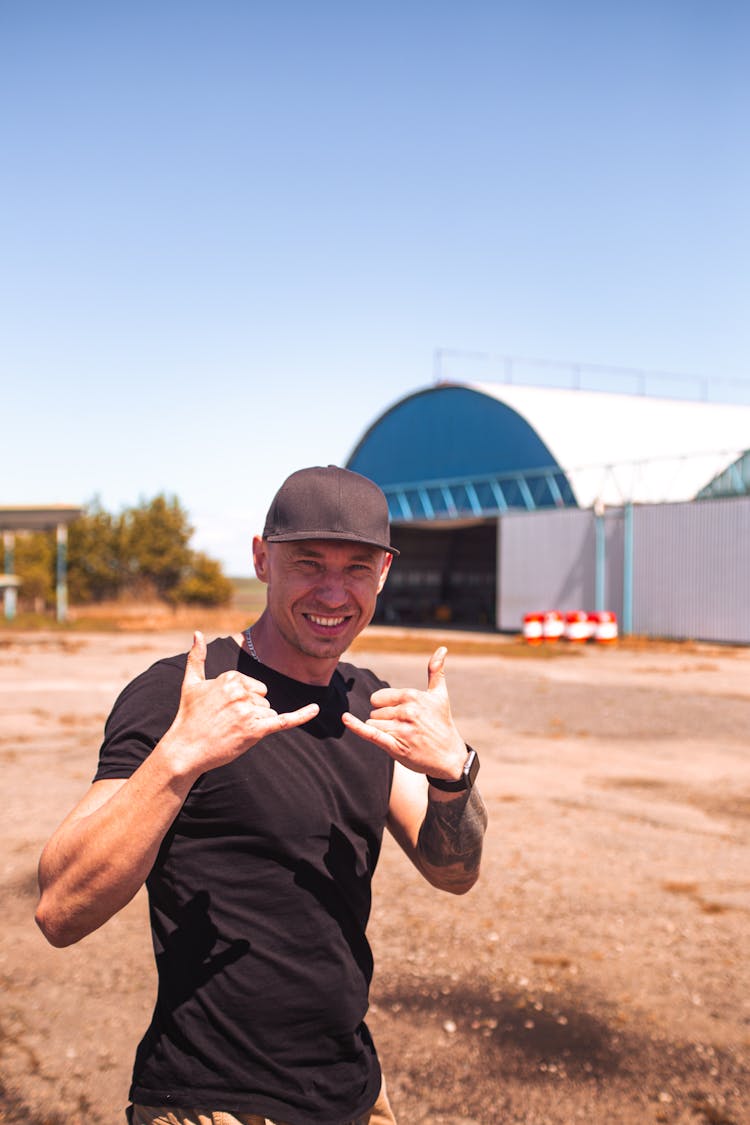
248, 635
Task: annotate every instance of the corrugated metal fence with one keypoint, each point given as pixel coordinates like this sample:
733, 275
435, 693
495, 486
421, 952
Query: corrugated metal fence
666, 570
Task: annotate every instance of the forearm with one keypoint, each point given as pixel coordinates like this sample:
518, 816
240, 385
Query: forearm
449, 846
103, 852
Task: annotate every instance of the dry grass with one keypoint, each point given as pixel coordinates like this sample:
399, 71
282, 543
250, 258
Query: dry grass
130, 615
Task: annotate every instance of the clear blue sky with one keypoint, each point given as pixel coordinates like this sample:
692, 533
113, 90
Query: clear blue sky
233, 233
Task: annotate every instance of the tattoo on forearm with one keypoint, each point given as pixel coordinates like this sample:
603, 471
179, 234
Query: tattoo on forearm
452, 832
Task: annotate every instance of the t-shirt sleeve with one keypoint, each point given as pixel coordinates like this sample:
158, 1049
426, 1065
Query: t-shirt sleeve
365, 682
142, 714
372, 682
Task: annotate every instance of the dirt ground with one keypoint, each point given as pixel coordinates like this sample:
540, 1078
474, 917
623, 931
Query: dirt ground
600, 970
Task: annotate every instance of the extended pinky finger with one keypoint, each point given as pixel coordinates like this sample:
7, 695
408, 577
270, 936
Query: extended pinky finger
365, 730
296, 718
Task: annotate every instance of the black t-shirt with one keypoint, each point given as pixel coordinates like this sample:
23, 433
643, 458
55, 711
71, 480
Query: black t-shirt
259, 900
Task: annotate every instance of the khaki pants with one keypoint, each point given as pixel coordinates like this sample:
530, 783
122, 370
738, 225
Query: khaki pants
380, 1114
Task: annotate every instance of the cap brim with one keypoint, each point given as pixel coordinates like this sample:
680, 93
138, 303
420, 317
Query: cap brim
342, 536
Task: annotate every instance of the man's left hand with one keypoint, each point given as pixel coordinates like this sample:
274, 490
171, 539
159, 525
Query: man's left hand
416, 727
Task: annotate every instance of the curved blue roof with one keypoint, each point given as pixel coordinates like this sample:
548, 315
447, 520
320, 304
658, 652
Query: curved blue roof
457, 450
451, 452
444, 432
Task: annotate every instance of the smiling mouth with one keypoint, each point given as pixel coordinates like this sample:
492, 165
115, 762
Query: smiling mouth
325, 622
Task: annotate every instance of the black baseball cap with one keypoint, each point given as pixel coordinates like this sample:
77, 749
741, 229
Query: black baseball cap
329, 503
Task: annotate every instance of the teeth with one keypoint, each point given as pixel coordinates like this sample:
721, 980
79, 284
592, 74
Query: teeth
328, 621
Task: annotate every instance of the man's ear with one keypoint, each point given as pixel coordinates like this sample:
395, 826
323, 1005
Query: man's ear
384, 572
260, 558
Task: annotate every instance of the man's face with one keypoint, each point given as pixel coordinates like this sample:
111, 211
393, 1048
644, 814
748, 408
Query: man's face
321, 592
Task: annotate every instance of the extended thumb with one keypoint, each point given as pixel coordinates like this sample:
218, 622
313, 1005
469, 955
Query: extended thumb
195, 669
436, 669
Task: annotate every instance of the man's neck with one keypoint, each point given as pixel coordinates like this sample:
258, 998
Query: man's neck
271, 648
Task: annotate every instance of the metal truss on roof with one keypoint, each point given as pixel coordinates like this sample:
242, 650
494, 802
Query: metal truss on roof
734, 481
482, 495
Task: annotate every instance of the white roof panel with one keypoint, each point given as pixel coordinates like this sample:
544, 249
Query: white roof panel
619, 448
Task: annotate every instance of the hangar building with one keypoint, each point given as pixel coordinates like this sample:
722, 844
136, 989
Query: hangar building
463, 463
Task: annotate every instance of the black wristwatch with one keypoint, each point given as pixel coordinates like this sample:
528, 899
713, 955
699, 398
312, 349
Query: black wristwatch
465, 781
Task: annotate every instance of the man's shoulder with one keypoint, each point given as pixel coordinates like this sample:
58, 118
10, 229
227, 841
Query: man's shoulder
355, 673
169, 671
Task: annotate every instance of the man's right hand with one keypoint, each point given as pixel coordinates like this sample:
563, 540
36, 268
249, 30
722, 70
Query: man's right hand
219, 719
103, 851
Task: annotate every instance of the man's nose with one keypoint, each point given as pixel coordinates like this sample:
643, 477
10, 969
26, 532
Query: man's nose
332, 588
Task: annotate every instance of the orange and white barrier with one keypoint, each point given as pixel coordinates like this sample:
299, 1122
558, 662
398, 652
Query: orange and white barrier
605, 627
538, 627
533, 628
553, 626
578, 626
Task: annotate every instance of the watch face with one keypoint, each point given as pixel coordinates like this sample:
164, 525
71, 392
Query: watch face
471, 769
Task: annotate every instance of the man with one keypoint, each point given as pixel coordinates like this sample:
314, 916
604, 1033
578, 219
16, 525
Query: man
248, 785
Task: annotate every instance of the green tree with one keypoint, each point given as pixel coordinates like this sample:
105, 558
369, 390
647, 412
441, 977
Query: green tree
95, 564
153, 545
204, 584
35, 563
143, 551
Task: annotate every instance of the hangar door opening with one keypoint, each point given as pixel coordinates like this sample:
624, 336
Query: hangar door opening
444, 575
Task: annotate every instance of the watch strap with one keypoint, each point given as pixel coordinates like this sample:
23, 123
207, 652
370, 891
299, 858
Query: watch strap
465, 781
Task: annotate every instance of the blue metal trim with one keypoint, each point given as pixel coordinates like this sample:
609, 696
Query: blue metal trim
471, 492
424, 496
601, 564
450, 503
62, 572
736, 478
400, 497
461, 494
497, 492
525, 491
627, 571
554, 488
9, 594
